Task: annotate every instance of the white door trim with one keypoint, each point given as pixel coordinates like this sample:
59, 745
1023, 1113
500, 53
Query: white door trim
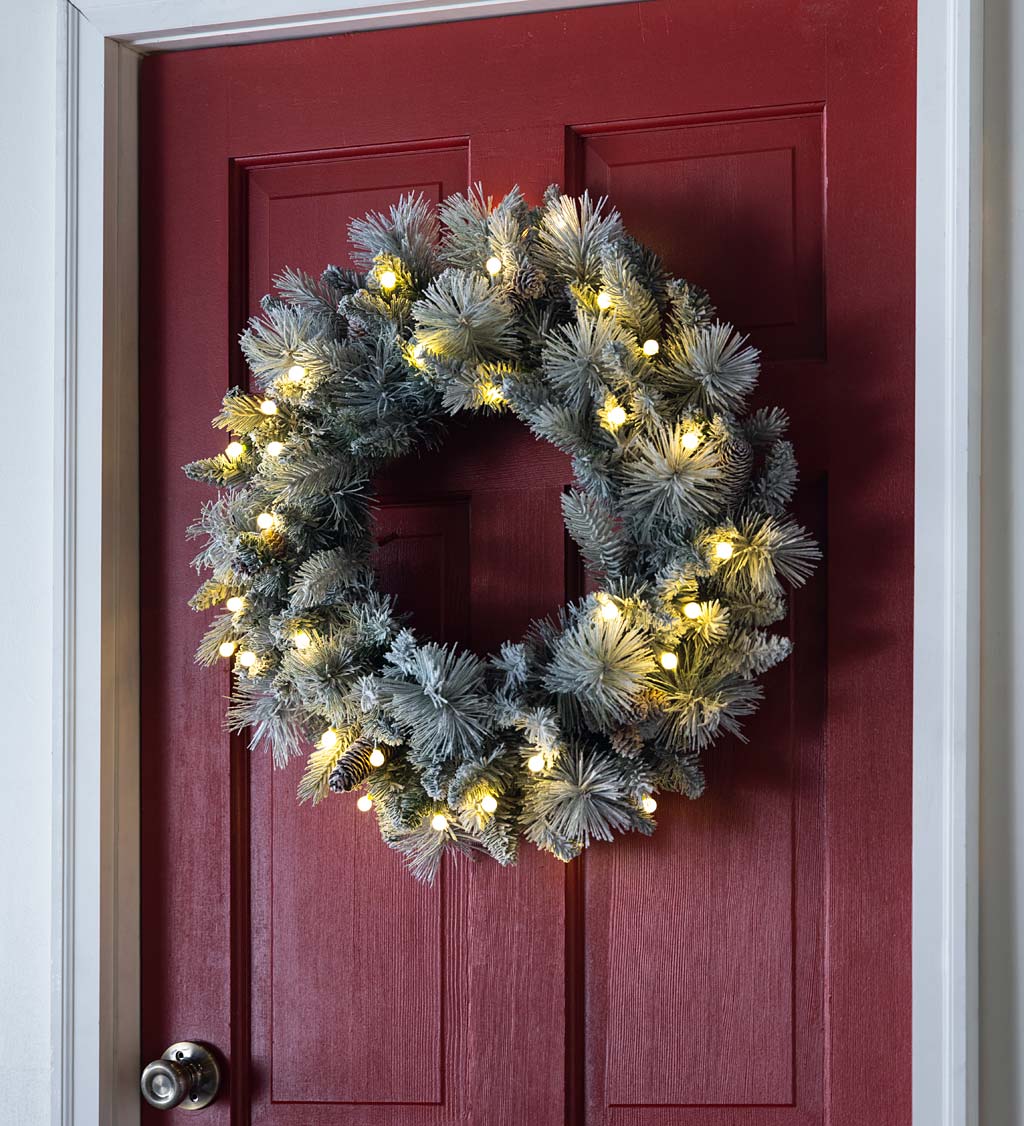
96, 644
947, 594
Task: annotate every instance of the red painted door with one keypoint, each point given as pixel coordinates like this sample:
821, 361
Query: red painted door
749, 965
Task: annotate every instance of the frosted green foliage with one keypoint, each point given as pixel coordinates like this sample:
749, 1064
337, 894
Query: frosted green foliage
580, 359
636, 308
774, 489
475, 229
592, 525
463, 318
573, 236
585, 796
324, 578
668, 483
680, 508
438, 697
713, 367
405, 238
602, 665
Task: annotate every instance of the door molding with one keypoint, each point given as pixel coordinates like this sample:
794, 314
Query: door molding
95, 650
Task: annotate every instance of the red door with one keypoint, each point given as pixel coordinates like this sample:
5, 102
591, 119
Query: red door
749, 964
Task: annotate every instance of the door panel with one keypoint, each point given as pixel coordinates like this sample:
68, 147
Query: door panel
749, 964
757, 183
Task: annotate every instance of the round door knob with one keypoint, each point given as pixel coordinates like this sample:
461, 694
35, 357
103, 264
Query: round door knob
186, 1075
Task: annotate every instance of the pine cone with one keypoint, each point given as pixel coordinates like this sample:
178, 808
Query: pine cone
737, 464
627, 741
353, 767
526, 282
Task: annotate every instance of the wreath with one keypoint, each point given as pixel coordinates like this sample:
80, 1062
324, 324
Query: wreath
679, 508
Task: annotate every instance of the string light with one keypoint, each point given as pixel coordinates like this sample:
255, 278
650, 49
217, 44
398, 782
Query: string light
265, 521
489, 803
235, 603
692, 610
227, 648
376, 757
648, 804
296, 373
439, 822
724, 549
268, 407
235, 449
418, 351
247, 658
491, 394
329, 739
615, 417
651, 347
275, 449
609, 611
493, 265
302, 640
535, 764
365, 804
669, 661
604, 300
388, 279
691, 440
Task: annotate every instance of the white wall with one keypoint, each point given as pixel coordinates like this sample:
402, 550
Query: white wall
28, 88
1002, 764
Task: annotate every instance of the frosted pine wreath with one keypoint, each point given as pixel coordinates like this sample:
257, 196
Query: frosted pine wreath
679, 508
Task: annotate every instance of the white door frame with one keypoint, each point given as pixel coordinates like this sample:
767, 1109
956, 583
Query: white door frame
95, 655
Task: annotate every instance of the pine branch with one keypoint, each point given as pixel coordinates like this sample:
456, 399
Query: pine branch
602, 665
460, 317
573, 237
408, 233
712, 367
593, 527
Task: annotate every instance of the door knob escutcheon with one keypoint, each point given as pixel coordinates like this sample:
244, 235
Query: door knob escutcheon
186, 1075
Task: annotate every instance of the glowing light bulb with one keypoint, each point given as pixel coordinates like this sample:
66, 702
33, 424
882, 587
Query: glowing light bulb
439, 822
227, 648
691, 439
275, 449
376, 757
388, 279
609, 611
669, 661
235, 449
491, 395
724, 549
604, 300
329, 739
651, 347
648, 804
489, 803
268, 407
365, 804
692, 610
235, 603
493, 265
535, 764
302, 640
265, 521
296, 373
247, 658
615, 417
418, 352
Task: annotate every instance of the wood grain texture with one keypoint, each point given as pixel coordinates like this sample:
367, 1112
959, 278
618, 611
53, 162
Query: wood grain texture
750, 964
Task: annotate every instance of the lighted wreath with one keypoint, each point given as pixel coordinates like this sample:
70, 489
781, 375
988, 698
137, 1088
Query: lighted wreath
679, 508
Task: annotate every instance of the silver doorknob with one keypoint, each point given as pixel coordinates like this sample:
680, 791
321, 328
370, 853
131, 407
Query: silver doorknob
186, 1075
